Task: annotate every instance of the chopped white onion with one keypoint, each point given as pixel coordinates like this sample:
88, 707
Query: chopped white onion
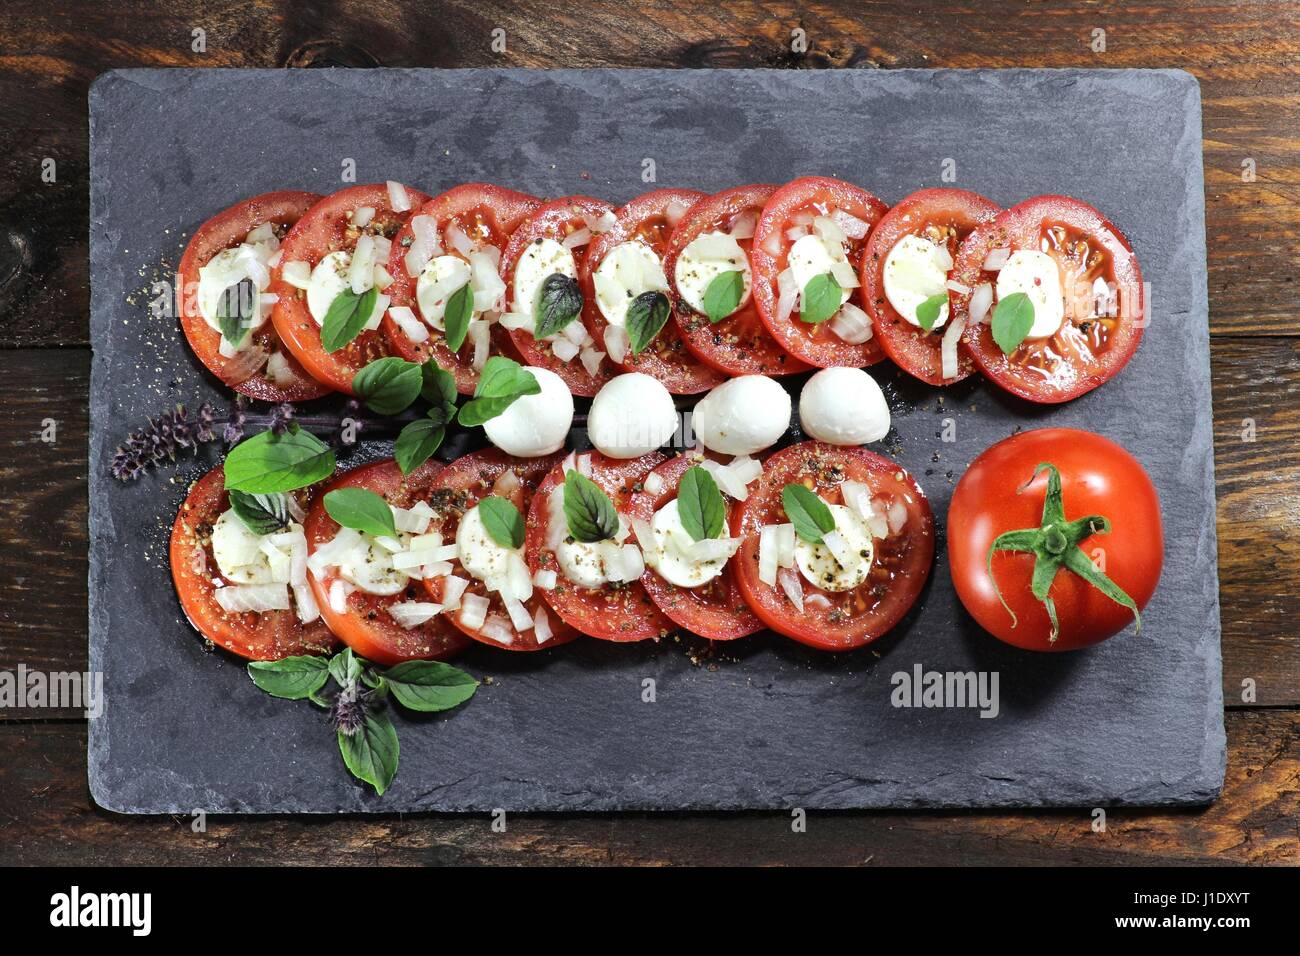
743, 226
674, 211
981, 300
838, 548
633, 563
852, 325
767, 554
817, 599
713, 549
515, 320
948, 347
795, 233
519, 615
577, 239
397, 197
453, 589
411, 614
338, 595
792, 587
279, 369
361, 267
479, 331
305, 602
602, 223
654, 483
473, 611
381, 279
785, 545
591, 360
297, 274
857, 497
415, 519
850, 225
789, 294
495, 628
958, 287
241, 598
772, 244
617, 342
557, 528
542, 626
564, 349
996, 259
896, 516
411, 327
362, 216
583, 464
545, 579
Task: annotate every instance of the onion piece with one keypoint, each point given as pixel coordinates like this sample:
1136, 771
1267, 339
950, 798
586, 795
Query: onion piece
772, 244
542, 626
564, 349
713, 549
850, 225
411, 614
296, 274
254, 598
817, 599
958, 287
792, 587
767, 554
453, 589
591, 360
457, 239
338, 595
602, 223
785, 545
674, 211
397, 197
789, 294
896, 516
948, 347
617, 343
838, 548
361, 217
653, 483
473, 611
519, 616
545, 578
742, 227
305, 603
411, 327
981, 301
852, 325
577, 239
496, 628
557, 528
996, 259
479, 331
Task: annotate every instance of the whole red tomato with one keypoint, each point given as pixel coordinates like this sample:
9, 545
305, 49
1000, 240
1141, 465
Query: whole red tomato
1054, 539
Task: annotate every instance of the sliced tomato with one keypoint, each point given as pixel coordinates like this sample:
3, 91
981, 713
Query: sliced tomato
716, 610
1089, 348
622, 612
226, 230
459, 488
739, 344
648, 219
557, 220
268, 636
843, 620
365, 624
792, 209
327, 227
945, 217
485, 213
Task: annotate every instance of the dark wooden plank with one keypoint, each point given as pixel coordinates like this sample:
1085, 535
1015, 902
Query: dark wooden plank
1243, 53
1258, 485
46, 818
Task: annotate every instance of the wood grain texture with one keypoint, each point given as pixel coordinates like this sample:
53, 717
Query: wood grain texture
46, 818
1244, 54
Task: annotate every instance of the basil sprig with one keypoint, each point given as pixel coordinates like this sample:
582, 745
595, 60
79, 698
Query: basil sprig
811, 517
235, 311
268, 463
346, 317
360, 509
1013, 317
261, 514
502, 520
723, 295
389, 385
358, 709
502, 383
559, 302
646, 316
590, 514
455, 318
699, 504
821, 299
927, 313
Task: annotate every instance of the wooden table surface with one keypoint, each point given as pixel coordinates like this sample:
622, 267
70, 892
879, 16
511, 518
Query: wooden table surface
1247, 58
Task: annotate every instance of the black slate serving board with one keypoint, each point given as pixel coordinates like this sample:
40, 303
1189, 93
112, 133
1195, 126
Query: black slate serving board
762, 723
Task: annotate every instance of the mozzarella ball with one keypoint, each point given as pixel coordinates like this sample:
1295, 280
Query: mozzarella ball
742, 416
843, 406
631, 415
534, 425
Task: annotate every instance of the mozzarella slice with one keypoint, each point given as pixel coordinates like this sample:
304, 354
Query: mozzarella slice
820, 566
227, 268
437, 283
742, 416
708, 256
370, 568
915, 270
328, 279
674, 561
1037, 275
542, 258
810, 257
589, 565
479, 554
239, 551
628, 270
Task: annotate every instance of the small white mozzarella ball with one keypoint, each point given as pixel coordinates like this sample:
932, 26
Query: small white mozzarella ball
820, 566
742, 416
843, 406
1037, 275
481, 556
915, 270
441, 278
534, 425
631, 415
540, 259
673, 541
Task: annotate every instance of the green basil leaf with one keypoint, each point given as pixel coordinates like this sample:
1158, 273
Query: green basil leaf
1012, 319
502, 383
429, 685
235, 311
699, 504
559, 302
927, 313
723, 295
345, 667
646, 316
821, 299
438, 386
417, 442
261, 514
292, 678
502, 521
455, 319
810, 515
267, 462
371, 753
346, 317
361, 509
388, 385
588, 510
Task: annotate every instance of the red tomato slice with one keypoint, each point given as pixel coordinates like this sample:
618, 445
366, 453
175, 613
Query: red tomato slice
944, 216
226, 230
716, 610
648, 219
488, 215
268, 636
1087, 350
326, 228
615, 612
838, 621
557, 220
365, 625
459, 488
739, 344
794, 206
999, 493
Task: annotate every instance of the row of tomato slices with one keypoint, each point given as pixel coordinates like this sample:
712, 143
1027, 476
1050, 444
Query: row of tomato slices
691, 355
733, 605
